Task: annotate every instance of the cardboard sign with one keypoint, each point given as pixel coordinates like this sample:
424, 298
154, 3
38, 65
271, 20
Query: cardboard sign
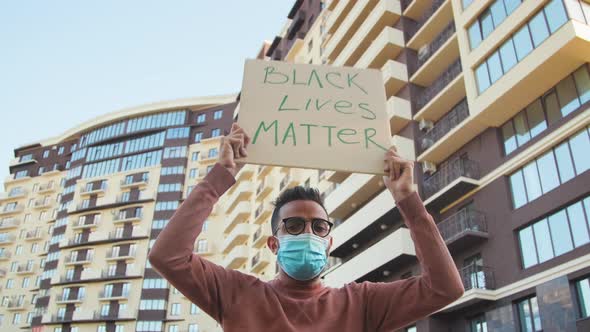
310, 116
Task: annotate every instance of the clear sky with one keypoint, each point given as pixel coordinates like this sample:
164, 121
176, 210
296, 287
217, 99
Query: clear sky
64, 62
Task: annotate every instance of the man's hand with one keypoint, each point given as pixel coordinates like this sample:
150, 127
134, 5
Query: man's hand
400, 181
233, 147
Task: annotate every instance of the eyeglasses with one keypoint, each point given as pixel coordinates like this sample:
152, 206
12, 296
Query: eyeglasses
296, 226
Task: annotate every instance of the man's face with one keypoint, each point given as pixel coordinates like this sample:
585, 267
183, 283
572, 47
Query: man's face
300, 208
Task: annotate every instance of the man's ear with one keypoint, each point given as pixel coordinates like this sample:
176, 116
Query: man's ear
273, 244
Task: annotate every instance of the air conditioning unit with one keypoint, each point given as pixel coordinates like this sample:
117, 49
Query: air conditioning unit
423, 52
425, 125
428, 167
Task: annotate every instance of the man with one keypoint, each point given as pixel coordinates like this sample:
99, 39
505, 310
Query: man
296, 300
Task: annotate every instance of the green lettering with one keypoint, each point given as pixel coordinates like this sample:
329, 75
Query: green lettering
318, 106
263, 127
351, 82
350, 131
329, 134
342, 104
283, 103
317, 78
295, 78
291, 130
271, 70
307, 105
308, 131
330, 81
368, 138
364, 106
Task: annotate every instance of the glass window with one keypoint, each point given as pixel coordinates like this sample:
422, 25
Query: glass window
531, 179
583, 291
198, 137
218, 114
508, 55
568, 96
552, 107
583, 83
580, 145
560, 233
556, 15
548, 171
498, 12
509, 137
511, 5
482, 77
523, 40
575, 214
518, 190
528, 314
543, 241
539, 29
215, 132
474, 35
201, 118
495, 67
536, 118
564, 162
487, 25
522, 130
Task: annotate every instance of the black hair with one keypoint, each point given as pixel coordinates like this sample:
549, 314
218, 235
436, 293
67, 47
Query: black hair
294, 194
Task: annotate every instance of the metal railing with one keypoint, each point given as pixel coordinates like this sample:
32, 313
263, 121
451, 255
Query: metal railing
459, 113
440, 83
463, 220
477, 276
449, 173
436, 43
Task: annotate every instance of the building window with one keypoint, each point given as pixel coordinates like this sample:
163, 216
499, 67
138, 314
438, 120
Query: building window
215, 132
478, 324
195, 156
218, 115
194, 309
201, 118
173, 328
45, 153
528, 37
202, 246
213, 153
209, 168
411, 329
528, 315
175, 152
175, 309
555, 235
198, 137
21, 174
583, 293
193, 173
489, 19
559, 165
570, 93
16, 319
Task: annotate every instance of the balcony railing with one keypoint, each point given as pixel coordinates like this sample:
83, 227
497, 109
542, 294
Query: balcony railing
459, 113
69, 298
5, 254
439, 84
25, 268
132, 182
46, 187
108, 295
462, 221
435, 45
411, 31
9, 223
122, 314
112, 254
90, 189
79, 259
477, 276
14, 304
33, 235
447, 174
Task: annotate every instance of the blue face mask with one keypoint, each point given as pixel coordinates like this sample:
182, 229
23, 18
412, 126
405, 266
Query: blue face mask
303, 256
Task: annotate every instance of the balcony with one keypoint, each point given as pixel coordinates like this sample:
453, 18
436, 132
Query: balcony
265, 187
261, 260
15, 305
339, 11
385, 255
239, 215
141, 182
8, 211
21, 161
109, 296
451, 182
69, 299
9, 223
7, 239
245, 173
353, 192
74, 260
433, 58
2, 273
26, 269
5, 255
479, 283
118, 219
81, 224
261, 235
385, 14
399, 111
79, 240
262, 213
264, 170
395, 77
121, 315
429, 24
129, 272
143, 196
113, 255
46, 188
87, 191
440, 85
34, 235
240, 192
451, 120
42, 203
137, 232
388, 45
87, 274
13, 179
239, 235
13, 195
463, 229
236, 258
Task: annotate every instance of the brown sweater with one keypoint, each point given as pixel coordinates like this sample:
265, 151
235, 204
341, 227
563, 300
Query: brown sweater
240, 302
